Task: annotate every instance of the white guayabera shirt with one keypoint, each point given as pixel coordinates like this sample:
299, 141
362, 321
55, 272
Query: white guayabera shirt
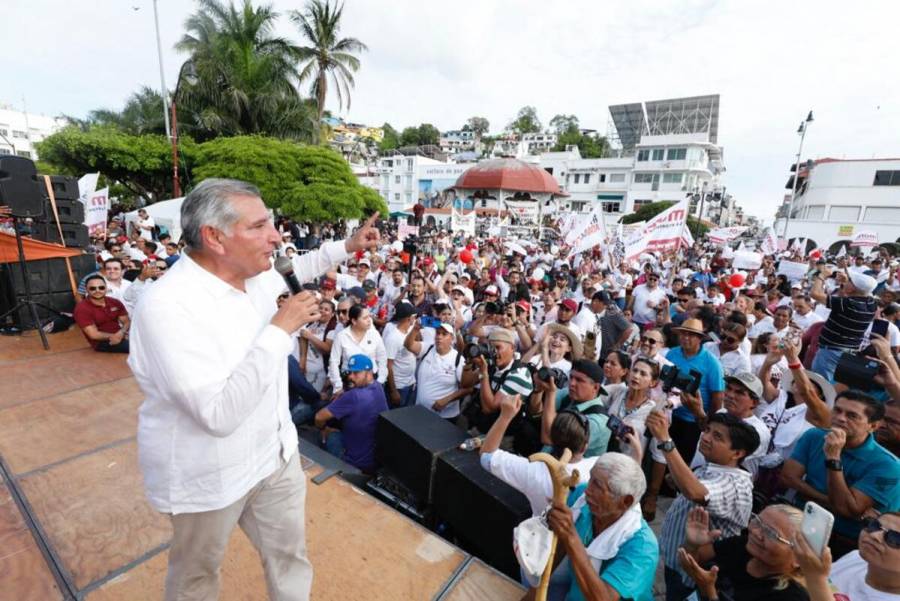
215, 418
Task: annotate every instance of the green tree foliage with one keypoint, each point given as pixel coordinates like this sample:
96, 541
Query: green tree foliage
245, 76
526, 121
391, 139
479, 125
140, 163
564, 124
304, 182
328, 56
142, 114
590, 147
651, 210
422, 135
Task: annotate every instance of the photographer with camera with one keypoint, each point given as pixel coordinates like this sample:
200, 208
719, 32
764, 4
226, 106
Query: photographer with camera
583, 395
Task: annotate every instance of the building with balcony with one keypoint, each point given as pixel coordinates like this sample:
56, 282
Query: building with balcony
20, 131
668, 153
837, 199
402, 180
457, 141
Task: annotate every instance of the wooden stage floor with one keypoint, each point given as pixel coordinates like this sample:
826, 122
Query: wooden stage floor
74, 523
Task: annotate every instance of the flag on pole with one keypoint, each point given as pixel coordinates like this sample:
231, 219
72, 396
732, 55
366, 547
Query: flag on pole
769, 244
665, 232
591, 234
843, 251
864, 239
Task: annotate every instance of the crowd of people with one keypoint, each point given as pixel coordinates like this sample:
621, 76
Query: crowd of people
742, 398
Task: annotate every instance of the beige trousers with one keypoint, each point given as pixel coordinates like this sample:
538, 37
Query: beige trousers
272, 517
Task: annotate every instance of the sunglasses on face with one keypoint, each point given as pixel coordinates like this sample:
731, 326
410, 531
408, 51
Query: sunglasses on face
93, 288
891, 537
648, 340
730, 339
343, 311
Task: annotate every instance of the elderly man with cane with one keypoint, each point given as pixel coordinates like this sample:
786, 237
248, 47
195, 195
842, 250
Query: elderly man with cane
209, 349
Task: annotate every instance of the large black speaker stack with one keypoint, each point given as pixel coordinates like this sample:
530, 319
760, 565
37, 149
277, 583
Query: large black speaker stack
424, 473
26, 194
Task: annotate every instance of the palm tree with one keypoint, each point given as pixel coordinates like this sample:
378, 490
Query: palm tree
246, 81
326, 56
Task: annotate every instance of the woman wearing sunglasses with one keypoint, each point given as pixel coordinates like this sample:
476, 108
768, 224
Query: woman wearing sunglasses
870, 574
759, 563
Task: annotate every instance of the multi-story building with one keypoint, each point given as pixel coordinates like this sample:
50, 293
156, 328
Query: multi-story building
538, 142
457, 140
20, 131
402, 180
837, 199
669, 152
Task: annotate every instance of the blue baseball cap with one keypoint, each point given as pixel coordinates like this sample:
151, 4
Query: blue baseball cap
359, 363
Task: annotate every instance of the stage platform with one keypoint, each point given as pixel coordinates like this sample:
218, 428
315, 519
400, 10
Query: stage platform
74, 523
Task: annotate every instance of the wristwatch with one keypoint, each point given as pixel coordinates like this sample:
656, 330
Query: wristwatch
666, 446
834, 465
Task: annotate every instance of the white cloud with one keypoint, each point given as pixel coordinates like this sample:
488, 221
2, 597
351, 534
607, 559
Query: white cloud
444, 62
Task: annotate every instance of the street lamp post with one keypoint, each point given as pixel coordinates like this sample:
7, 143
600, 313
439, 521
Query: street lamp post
162, 77
10, 144
186, 73
804, 125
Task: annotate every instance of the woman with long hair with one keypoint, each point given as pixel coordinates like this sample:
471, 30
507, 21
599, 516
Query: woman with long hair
359, 337
634, 402
759, 563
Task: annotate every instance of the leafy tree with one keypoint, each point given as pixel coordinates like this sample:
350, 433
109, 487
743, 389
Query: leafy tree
590, 147
562, 124
142, 114
391, 139
526, 121
304, 182
245, 76
142, 164
328, 55
479, 125
422, 135
651, 210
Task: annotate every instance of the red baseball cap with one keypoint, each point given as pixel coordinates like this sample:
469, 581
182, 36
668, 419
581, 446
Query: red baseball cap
569, 304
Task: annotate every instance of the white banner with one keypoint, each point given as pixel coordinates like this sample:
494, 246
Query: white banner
460, 222
747, 260
96, 212
725, 234
794, 271
864, 239
87, 185
663, 233
404, 230
525, 210
592, 234
769, 244
578, 223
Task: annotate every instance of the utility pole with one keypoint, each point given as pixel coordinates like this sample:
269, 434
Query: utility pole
804, 125
162, 76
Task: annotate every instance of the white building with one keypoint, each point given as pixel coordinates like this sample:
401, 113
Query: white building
539, 142
457, 140
20, 131
403, 180
837, 199
669, 153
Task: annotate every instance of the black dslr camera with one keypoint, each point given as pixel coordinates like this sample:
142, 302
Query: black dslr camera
670, 378
474, 349
559, 377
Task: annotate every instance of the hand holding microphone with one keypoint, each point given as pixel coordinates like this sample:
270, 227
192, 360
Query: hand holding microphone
301, 308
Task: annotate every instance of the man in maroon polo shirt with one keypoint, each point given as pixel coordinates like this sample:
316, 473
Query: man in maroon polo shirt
103, 320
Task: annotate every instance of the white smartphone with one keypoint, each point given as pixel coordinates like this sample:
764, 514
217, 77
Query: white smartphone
816, 526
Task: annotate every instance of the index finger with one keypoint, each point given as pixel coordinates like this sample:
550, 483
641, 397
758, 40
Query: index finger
371, 220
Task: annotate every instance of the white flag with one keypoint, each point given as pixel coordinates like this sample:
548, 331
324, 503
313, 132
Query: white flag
96, 212
725, 234
592, 234
663, 233
87, 185
769, 244
865, 239
843, 251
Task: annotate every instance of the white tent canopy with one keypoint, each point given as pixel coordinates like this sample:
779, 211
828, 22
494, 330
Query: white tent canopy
166, 213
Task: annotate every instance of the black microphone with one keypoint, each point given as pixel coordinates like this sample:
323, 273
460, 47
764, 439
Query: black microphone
284, 266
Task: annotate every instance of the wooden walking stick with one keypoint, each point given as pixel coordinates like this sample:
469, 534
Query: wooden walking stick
562, 481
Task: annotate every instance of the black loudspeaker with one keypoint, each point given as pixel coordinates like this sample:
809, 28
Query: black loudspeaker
47, 275
75, 235
69, 211
19, 186
64, 187
59, 302
408, 442
480, 509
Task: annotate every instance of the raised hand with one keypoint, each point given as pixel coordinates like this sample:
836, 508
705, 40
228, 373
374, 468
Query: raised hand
366, 237
696, 529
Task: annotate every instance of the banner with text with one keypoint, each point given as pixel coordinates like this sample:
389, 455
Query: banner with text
725, 234
592, 234
96, 212
525, 210
404, 230
463, 222
864, 240
663, 233
769, 245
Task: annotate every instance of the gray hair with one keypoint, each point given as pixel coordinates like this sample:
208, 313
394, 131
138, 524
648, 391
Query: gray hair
210, 204
623, 475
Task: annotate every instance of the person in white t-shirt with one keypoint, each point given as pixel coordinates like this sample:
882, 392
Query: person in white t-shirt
115, 284
401, 381
145, 224
645, 299
729, 351
871, 573
316, 340
440, 381
804, 316
623, 281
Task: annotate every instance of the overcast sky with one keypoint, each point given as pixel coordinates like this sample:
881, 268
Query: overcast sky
442, 62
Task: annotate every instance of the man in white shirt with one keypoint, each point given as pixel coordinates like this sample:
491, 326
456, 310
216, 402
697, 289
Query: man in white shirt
115, 285
645, 299
209, 349
804, 316
401, 380
145, 224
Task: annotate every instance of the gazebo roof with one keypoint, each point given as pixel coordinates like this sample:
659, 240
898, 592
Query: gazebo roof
508, 174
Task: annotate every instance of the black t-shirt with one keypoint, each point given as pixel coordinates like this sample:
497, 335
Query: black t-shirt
735, 583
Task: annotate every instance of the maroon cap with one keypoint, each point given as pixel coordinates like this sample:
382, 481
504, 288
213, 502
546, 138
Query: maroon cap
569, 304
